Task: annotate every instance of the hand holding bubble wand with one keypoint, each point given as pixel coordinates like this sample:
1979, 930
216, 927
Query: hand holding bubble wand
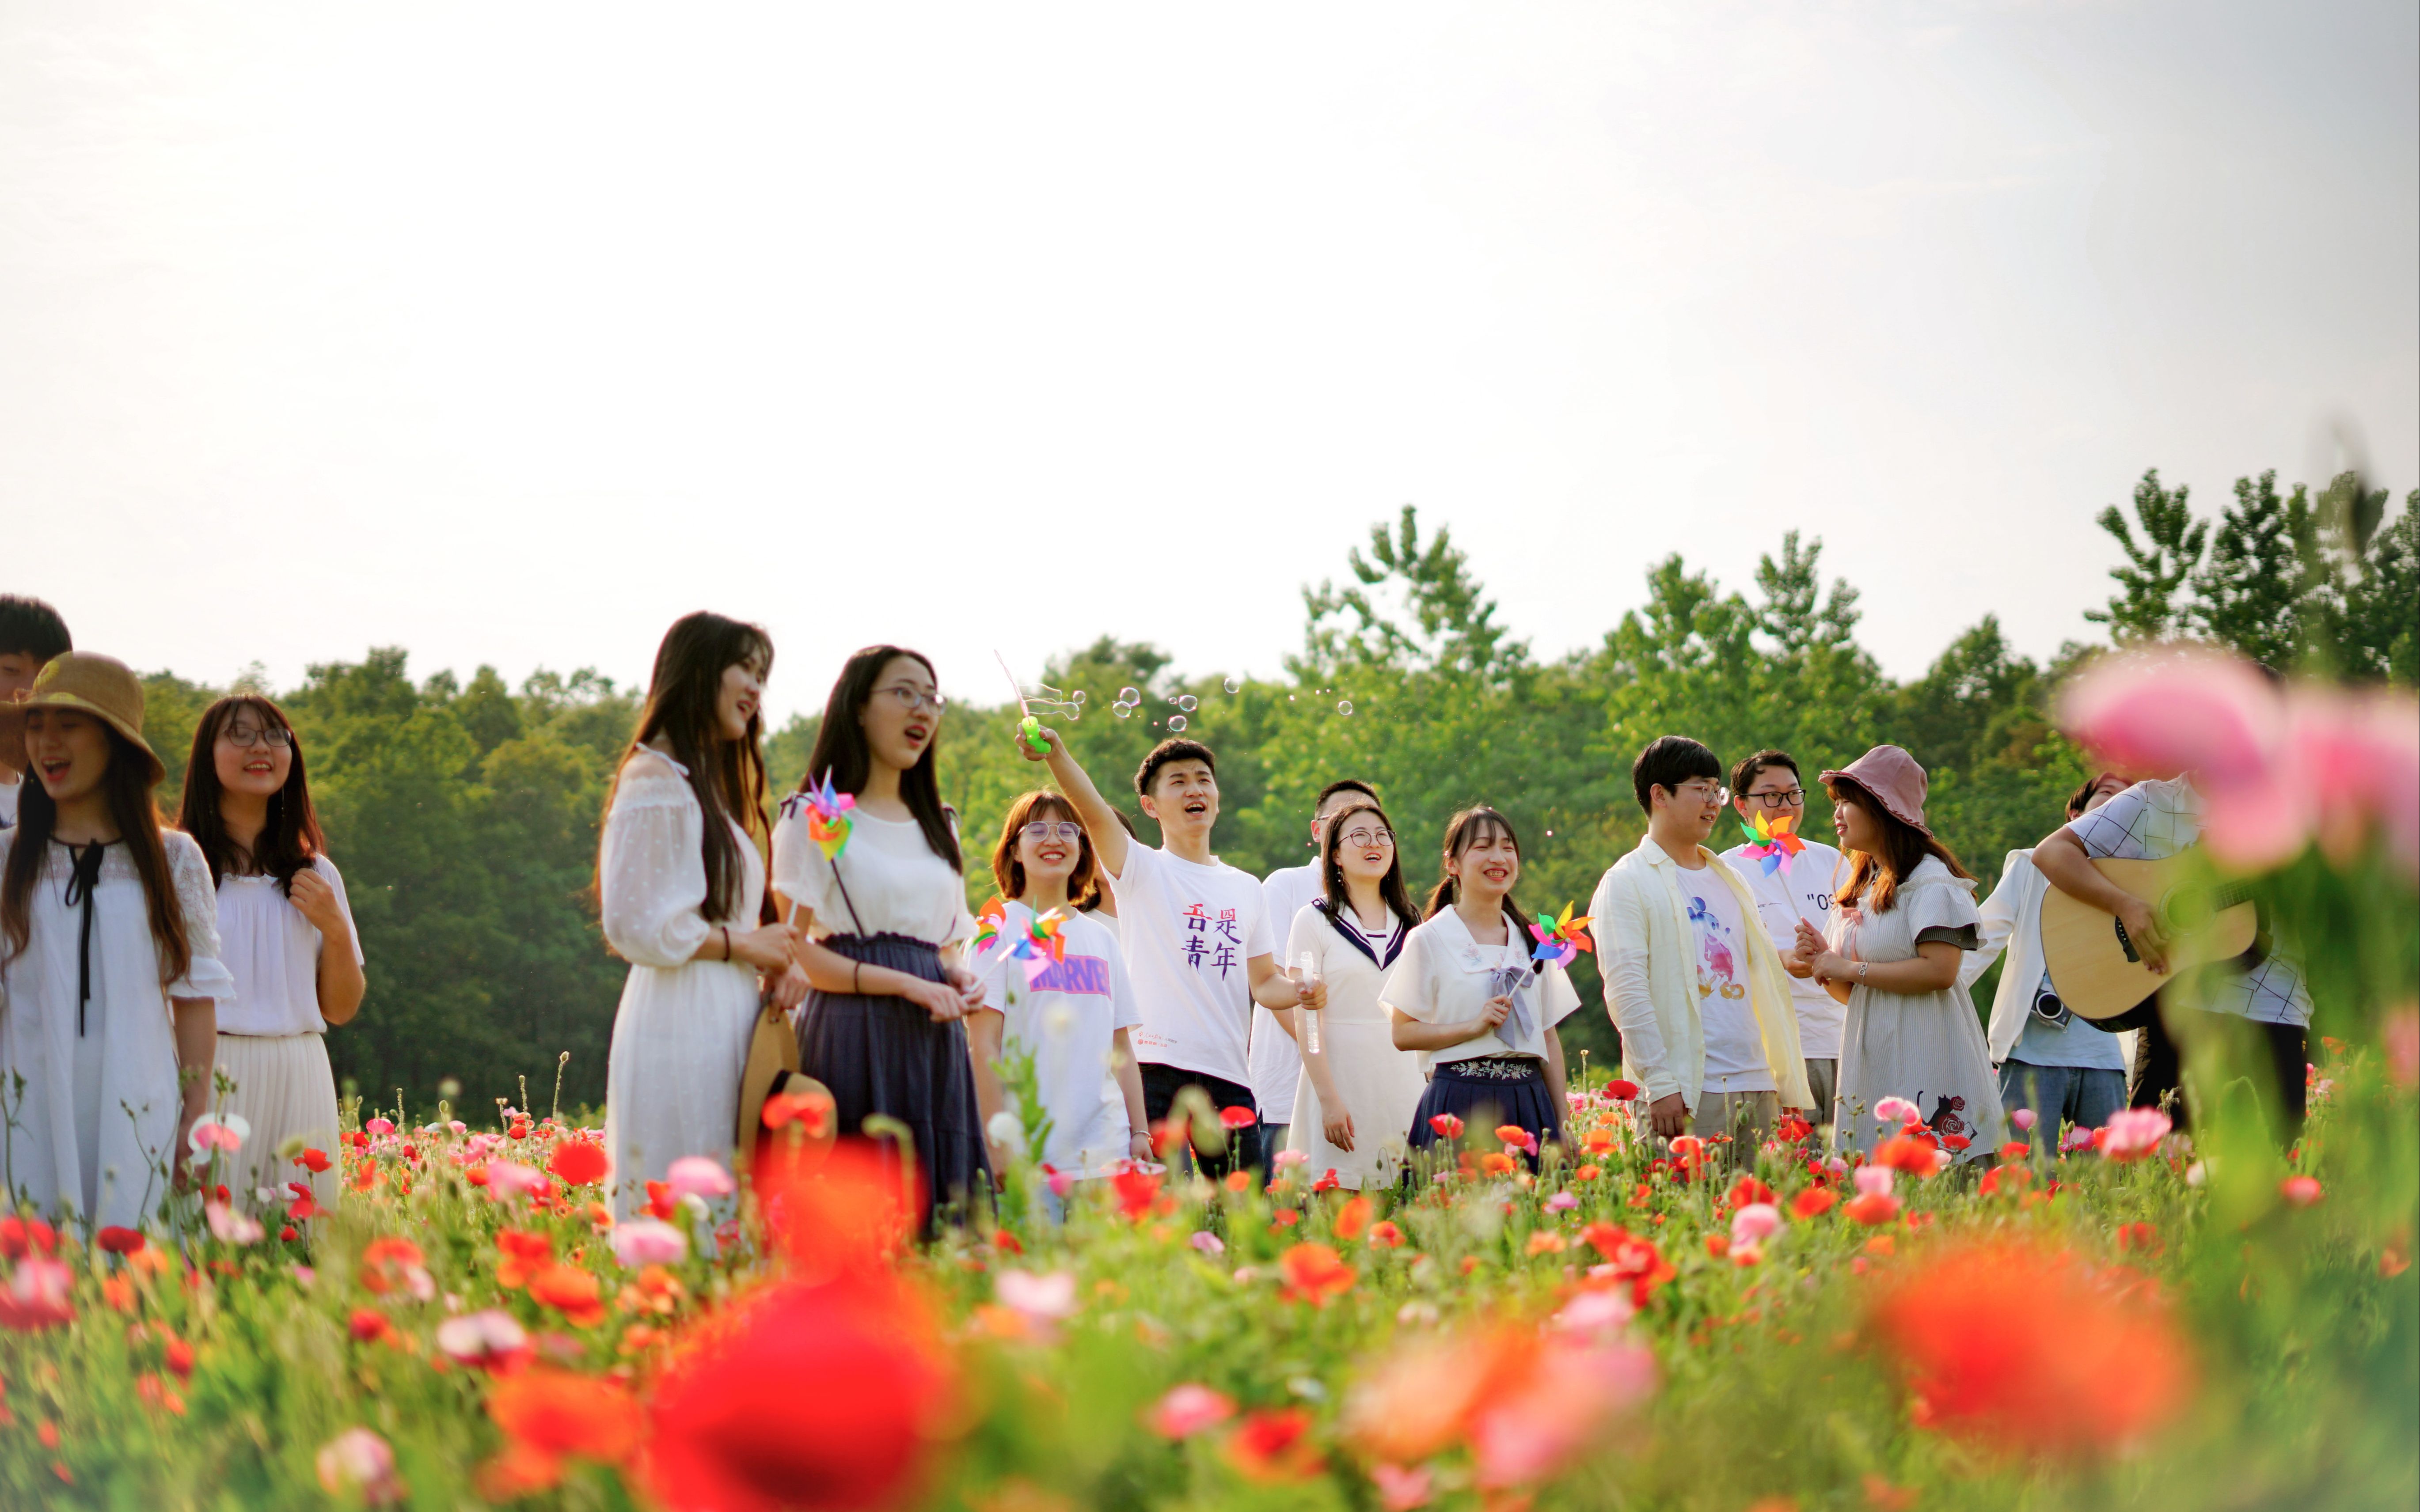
1028, 728
1306, 980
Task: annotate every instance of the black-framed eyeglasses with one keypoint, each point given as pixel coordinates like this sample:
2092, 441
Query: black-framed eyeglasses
1786, 798
1043, 829
1368, 837
913, 699
246, 736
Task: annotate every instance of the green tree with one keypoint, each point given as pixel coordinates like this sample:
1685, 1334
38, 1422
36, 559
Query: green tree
2156, 570
2250, 590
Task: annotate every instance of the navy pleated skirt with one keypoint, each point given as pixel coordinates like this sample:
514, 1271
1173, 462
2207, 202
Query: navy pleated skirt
885, 1055
1485, 1101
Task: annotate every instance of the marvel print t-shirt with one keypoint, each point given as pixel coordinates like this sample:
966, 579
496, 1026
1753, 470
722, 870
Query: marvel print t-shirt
1734, 1050
1191, 933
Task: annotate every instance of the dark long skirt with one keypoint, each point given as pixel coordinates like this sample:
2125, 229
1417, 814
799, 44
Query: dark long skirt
1507, 1091
886, 1056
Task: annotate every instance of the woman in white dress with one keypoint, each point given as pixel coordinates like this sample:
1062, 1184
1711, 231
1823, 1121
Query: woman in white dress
285, 932
1906, 915
1356, 1095
883, 896
108, 957
681, 882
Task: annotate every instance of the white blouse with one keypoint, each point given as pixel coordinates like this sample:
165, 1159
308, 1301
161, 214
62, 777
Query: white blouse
887, 872
1446, 976
273, 952
651, 867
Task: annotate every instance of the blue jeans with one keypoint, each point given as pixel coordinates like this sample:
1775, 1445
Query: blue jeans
2083, 1096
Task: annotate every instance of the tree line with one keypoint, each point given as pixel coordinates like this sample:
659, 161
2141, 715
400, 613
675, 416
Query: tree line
464, 814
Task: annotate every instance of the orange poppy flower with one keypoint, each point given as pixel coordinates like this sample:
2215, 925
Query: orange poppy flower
553, 1415
571, 1292
520, 1255
578, 1162
1314, 1273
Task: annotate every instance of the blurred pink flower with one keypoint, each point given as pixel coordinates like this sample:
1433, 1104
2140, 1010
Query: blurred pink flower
230, 1226
1897, 1110
1873, 1180
700, 1176
1755, 1223
2402, 1039
648, 1242
1400, 1489
486, 1338
1536, 1425
1187, 1409
510, 1179
2133, 1132
1208, 1243
2302, 1191
359, 1459
1561, 1202
2024, 1119
1042, 1297
378, 1128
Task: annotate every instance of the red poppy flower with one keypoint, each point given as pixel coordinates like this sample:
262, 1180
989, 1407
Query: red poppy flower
119, 1241
370, 1326
579, 1163
1870, 1207
1446, 1125
314, 1161
660, 1201
1748, 1189
571, 1292
1792, 1129
1915, 1156
178, 1356
20, 1237
1314, 1273
1327, 1181
520, 1255
387, 1263
553, 1415
1621, 1091
1352, 1218
1813, 1203
1274, 1445
2021, 1349
1385, 1235
866, 1392
1135, 1191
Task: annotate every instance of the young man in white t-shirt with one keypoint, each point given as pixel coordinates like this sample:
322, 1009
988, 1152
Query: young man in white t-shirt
1275, 1058
1693, 982
1801, 887
1197, 939
31, 633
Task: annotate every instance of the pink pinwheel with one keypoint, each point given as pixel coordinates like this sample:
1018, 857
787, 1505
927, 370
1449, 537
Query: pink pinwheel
1561, 940
1773, 843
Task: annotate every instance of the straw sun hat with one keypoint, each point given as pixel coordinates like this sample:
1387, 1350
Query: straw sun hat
102, 686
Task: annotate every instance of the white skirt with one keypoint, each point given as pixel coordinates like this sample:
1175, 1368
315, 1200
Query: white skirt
286, 1091
672, 1079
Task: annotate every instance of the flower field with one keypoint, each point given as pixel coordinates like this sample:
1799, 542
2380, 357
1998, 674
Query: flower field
2135, 1316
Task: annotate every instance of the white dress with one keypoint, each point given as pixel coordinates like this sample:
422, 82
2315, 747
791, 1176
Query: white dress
71, 1145
680, 1035
1381, 1086
1926, 1047
271, 1040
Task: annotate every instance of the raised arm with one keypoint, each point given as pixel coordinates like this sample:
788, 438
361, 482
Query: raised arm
1109, 837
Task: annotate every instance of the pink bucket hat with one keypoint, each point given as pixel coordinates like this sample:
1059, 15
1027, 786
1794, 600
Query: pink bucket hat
1895, 779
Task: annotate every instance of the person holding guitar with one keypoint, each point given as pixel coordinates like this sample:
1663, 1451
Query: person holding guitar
1900, 925
2157, 821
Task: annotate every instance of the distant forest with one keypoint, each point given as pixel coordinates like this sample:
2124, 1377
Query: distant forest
464, 813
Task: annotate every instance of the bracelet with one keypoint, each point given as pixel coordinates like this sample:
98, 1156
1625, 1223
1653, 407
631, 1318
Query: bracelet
1861, 969
856, 974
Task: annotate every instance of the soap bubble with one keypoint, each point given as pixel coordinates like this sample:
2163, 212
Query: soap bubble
1344, 706
1187, 703
1175, 723
1077, 697
1123, 711
1127, 695
1235, 685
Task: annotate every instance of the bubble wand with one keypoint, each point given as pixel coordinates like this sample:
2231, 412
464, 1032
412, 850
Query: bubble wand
1029, 730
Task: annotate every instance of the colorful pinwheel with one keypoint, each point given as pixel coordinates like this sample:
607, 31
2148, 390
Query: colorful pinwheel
1561, 940
1773, 843
828, 821
1041, 944
987, 923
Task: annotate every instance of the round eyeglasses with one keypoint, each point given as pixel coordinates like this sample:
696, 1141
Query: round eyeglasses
913, 699
1368, 837
1042, 831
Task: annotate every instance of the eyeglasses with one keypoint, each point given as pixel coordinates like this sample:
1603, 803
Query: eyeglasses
1368, 837
246, 736
1716, 796
1790, 798
913, 699
1041, 831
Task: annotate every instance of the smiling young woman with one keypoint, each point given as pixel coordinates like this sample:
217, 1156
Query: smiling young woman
109, 955
883, 1027
285, 932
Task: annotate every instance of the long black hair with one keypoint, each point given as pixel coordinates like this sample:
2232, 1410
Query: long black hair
128, 783
1331, 871
842, 752
1463, 831
289, 838
727, 776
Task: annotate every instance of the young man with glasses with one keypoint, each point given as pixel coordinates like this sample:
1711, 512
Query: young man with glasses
1277, 1060
1697, 989
31, 633
1796, 887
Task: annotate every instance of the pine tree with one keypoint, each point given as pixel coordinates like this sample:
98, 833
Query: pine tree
2250, 589
2148, 608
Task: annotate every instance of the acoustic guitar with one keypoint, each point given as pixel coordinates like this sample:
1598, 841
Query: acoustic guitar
2098, 972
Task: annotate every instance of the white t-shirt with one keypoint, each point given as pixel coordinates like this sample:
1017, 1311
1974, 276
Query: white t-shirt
1068, 1018
274, 953
897, 883
1277, 1060
1191, 933
1804, 890
1446, 976
8, 803
2153, 821
1734, 1047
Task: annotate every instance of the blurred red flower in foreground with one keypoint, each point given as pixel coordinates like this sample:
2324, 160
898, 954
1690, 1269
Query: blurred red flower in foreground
807, 1395
549, 1417
1274, 1445
2022, 1349
578, 1162
1526, 1401
37, 1295
1314, 1273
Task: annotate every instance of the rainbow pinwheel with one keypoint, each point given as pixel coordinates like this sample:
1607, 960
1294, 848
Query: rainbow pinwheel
828, 821
1773, 843
1561, 940
1041, 944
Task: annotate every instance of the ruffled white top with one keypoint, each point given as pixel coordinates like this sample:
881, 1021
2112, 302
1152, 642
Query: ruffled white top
681, 1034
273, 952
72, 1144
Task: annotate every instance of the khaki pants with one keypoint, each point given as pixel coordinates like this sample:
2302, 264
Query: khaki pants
1747, 1117
1824, 1081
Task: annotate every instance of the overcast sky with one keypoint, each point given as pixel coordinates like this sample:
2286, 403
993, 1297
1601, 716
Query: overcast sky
507, 334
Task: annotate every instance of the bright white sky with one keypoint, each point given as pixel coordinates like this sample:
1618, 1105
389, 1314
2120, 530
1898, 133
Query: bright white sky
506, 333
